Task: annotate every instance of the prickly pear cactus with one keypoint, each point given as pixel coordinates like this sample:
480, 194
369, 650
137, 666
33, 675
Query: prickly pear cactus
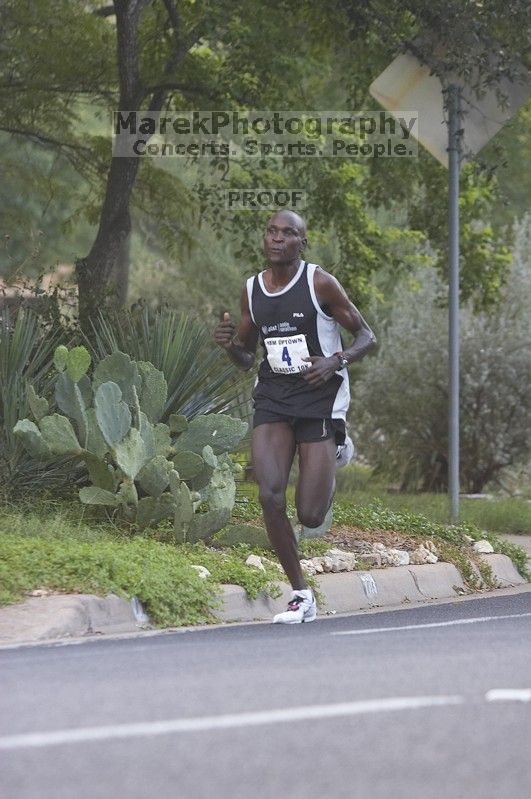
222, 433
140, 468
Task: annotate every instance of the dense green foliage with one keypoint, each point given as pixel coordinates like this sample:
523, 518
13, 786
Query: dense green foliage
363, 215
26, 352
137, 568
400, 401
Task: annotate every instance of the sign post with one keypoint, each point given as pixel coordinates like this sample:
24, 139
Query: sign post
454, 154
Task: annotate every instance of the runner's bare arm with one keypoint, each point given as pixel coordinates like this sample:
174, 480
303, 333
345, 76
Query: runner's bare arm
331, 295
240, 347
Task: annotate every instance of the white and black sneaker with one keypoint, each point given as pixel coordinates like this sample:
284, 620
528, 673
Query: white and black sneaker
301, 607
345, 453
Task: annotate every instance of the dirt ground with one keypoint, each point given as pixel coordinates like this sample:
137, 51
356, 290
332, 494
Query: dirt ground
353, 539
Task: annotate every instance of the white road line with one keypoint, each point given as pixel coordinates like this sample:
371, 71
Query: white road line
509, 695
207, 723
433, 624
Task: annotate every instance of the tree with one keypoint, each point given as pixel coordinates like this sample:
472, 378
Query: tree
179, 54
400, 403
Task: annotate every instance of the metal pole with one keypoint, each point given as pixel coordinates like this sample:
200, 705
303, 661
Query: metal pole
454, 152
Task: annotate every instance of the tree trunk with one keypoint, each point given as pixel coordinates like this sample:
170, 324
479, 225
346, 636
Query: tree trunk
96, 288
120, 275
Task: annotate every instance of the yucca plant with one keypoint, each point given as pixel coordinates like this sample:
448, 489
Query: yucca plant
26, 355
200, 380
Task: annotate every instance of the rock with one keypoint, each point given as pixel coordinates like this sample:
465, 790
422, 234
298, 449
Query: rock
327, 564
255, 562
338, 565
422, 555
318, 565
341, 560
395, 557
308, 566
484, 547
202, 571
370, 558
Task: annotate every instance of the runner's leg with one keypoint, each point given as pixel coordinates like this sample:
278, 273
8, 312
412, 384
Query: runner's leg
273, 448
317, 481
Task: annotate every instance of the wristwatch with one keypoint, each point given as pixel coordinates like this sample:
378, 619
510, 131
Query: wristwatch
343, 362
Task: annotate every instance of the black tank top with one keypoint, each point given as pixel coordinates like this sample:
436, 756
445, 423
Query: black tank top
291, 312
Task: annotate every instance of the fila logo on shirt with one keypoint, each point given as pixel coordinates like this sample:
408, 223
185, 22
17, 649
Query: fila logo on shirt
299, 315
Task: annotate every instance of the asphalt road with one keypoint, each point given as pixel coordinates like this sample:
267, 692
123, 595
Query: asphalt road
432, 702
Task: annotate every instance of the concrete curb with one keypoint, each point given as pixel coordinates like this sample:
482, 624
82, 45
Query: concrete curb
69, 616
58, 617
346, 592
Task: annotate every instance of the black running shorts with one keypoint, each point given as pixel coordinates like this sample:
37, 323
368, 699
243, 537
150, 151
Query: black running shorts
305, 430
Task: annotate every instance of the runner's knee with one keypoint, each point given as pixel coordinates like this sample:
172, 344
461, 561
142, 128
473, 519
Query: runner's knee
311, 517
272, 499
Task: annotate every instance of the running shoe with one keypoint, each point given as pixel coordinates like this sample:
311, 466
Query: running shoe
301, 607
345, 453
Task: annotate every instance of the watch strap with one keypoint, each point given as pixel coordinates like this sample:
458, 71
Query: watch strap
342, 359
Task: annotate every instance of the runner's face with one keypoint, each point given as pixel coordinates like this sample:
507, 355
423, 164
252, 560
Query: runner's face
284, 240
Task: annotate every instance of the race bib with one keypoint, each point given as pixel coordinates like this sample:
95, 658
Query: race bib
285, 354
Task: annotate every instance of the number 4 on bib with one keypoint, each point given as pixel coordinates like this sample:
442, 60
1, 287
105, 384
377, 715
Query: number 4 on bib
285, 356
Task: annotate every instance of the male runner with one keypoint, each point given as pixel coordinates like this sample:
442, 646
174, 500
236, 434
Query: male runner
301, 394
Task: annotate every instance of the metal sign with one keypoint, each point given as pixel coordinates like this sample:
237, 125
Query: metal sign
407, 83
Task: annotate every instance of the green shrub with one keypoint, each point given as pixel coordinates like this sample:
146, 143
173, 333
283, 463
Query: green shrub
26, 354
243, 534
111, 425
198, 380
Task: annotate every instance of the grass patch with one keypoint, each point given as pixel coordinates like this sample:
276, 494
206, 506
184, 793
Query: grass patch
380, 517
377, 514
58, 545
158, 574
509, 515
512, 515
59, 519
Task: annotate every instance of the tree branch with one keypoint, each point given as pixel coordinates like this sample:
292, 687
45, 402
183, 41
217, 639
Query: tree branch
173, 14
42, 139
177, 55
186, 88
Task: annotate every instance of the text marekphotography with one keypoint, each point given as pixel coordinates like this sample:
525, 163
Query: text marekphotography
233, 134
